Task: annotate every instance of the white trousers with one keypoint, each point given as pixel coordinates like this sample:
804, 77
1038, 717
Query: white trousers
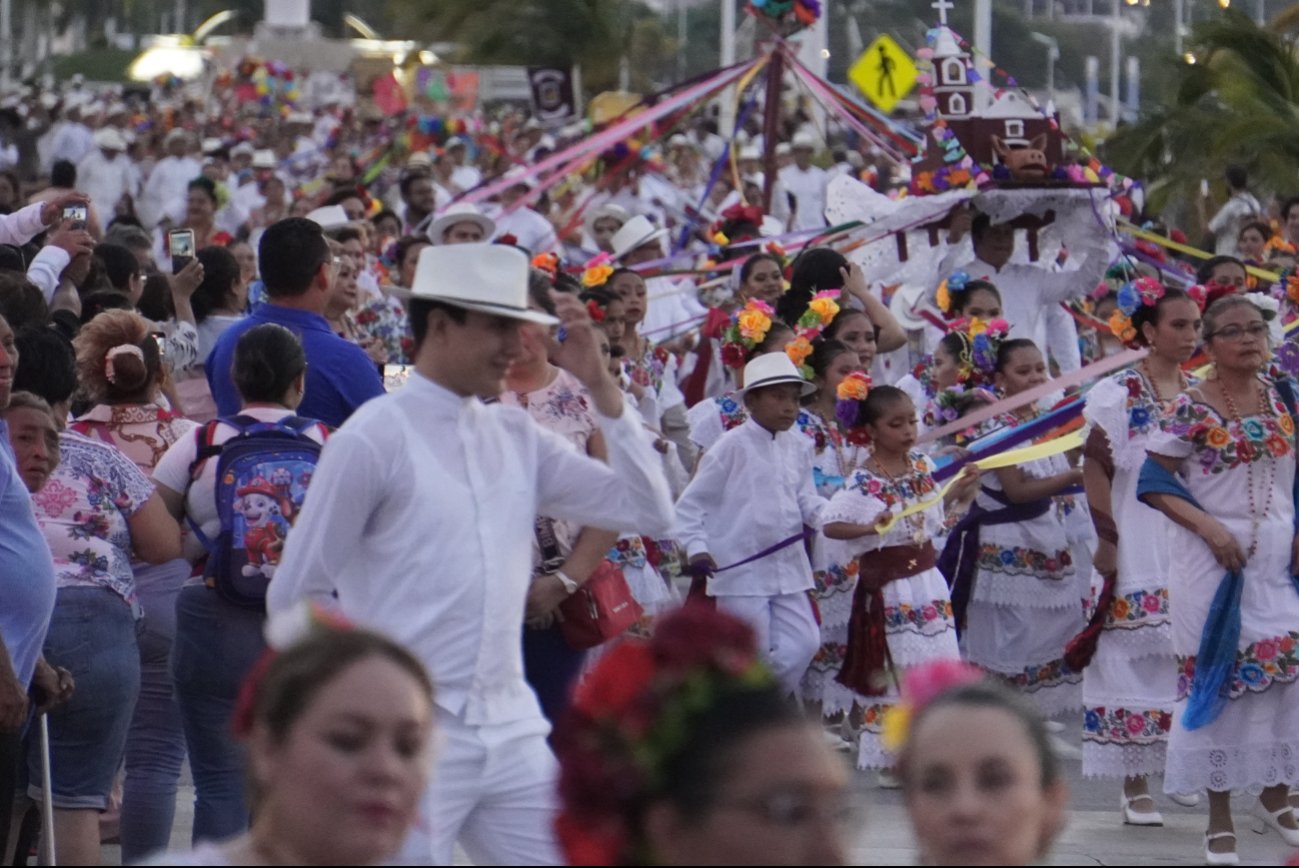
494, 791
788, 635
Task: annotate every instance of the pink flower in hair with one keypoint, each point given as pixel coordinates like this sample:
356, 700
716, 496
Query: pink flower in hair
925, 682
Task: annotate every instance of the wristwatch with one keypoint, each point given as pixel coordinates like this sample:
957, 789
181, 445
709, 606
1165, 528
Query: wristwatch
569, 585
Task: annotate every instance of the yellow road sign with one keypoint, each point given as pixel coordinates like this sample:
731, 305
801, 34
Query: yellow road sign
884, 73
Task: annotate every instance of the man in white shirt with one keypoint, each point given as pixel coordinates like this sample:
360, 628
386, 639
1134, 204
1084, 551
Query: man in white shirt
421, 519
1030, 294
1239, 209
72, 140
530, 229
164, 195
107, 174
806, 183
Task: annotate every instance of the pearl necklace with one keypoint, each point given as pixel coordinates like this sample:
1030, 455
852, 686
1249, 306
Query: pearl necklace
1255, 515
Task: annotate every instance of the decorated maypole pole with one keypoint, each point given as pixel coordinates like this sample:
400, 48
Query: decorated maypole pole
783, 18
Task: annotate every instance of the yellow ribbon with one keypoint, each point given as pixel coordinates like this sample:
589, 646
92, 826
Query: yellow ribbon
1009, 458
740, 87
1136, 232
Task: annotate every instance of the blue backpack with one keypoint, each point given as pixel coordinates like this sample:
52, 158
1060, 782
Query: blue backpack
262, 476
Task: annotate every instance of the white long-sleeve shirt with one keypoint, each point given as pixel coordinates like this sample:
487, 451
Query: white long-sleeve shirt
809, 190
752, 489
105, 180
165, 191
1029, 292
421, 517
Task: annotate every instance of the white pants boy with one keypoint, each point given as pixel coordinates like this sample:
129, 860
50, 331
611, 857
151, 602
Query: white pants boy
788, 635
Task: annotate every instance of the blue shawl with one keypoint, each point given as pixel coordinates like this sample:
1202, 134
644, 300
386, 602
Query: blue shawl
1215, 661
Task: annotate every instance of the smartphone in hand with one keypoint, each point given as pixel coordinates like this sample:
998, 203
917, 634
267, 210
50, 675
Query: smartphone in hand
77, 214
181, 244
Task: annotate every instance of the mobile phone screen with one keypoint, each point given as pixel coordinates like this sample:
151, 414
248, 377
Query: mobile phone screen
77, 214
181, 244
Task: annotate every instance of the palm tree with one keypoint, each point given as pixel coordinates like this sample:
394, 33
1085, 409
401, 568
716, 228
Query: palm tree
1237, 103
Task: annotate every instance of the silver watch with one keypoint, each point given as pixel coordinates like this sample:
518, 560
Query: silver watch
569, 585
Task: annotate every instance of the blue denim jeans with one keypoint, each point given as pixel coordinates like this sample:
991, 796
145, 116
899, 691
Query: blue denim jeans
216, 646
155, 743
551, 667
92, 635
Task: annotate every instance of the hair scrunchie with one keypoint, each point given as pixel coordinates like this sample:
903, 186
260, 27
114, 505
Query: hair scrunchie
120, 350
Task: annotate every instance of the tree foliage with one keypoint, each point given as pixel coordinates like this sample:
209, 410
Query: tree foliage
597, 34
1239, 103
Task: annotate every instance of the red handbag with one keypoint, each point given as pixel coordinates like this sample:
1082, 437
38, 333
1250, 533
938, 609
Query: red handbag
601, 609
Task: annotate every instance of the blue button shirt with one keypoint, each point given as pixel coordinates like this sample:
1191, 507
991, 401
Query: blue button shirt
340, 376
26, 570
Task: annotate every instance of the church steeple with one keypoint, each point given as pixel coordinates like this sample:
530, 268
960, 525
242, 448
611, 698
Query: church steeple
952, 86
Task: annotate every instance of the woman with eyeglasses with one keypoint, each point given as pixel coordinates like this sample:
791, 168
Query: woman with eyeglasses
121, 369
684, 751
1222, 467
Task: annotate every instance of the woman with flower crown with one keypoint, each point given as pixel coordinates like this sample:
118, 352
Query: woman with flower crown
1129, 686
888, 513
684, 751
1222, 468
751, 333
1015, 589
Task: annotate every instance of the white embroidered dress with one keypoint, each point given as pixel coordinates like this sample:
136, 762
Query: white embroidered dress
918, 622
1130, 687
1254, 742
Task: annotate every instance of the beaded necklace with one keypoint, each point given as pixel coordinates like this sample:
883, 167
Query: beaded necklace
1183, 383
1255, 515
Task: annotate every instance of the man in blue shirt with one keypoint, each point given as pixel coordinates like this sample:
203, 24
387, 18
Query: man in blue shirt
299, 271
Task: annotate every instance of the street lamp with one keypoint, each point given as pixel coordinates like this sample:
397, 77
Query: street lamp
1052, 55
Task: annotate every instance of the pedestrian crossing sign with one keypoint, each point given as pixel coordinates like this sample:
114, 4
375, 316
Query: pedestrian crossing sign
884, 73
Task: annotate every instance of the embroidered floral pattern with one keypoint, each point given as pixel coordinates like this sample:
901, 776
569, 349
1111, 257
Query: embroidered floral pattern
1020, 561
1036, 678
830, 657
821, 434
1143, 608
917, 485
385, 319
649, 369
928, 620
731, 411
835, 579
54, 498
1224, 444
1258, 667
1126, 726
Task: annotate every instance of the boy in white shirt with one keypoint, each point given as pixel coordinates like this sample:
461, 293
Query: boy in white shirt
747, 507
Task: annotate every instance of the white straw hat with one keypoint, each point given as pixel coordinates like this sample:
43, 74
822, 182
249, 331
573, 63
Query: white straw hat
460, 212
634, 234
772, 369
487, 278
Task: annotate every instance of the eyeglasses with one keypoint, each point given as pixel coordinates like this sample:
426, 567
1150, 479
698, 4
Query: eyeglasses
1235, 333
791, 810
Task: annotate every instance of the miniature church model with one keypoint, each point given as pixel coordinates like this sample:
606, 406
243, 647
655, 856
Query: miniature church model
1001, 131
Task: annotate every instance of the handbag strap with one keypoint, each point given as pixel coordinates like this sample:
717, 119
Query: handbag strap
551, 558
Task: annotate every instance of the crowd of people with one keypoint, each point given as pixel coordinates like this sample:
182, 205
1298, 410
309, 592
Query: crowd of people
411, 522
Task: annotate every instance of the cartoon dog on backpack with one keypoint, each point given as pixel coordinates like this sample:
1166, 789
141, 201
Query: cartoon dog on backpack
267, 515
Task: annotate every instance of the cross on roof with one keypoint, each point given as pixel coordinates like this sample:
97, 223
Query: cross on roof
942, 6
